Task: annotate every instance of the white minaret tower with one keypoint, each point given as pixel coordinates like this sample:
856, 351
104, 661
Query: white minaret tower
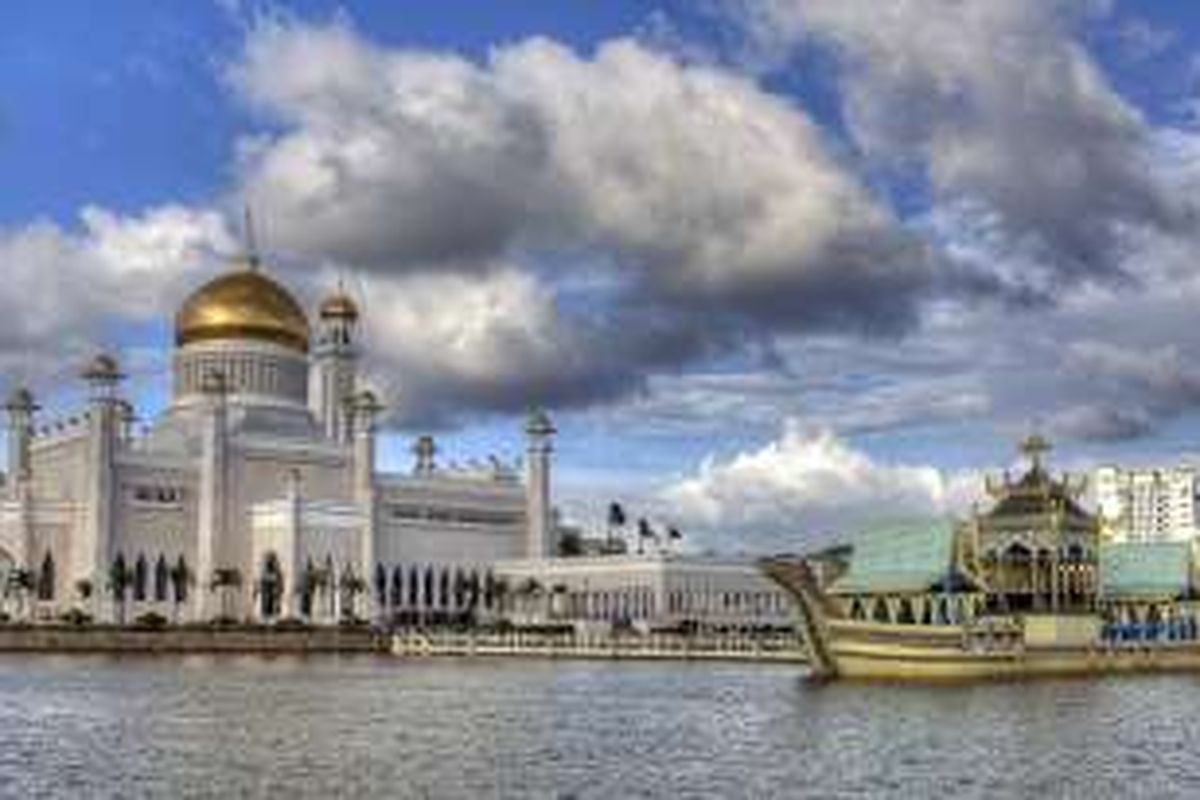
335, 365
20, 409
540, 535
213, 499
364, 410
105, 410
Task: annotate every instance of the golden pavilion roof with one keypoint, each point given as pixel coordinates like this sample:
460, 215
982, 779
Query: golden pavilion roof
338, 306
242, 304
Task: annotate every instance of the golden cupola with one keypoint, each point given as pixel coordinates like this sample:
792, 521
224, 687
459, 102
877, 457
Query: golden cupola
242, 304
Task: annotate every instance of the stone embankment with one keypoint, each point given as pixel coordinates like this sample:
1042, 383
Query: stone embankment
104, 639
665, 646
412, 643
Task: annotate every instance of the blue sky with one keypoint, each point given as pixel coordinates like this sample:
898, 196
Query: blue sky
768, 263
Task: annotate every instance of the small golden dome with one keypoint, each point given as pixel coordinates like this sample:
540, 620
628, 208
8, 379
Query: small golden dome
102, 368
339, 306
244, 304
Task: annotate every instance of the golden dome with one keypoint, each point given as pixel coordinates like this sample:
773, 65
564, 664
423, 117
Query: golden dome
244, 304
339, 306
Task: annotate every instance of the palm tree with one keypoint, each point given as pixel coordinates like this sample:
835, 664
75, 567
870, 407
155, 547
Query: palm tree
119, 578
616, 522
352, 586
311, 579
674, 536
644, 532
20, 583
225, 579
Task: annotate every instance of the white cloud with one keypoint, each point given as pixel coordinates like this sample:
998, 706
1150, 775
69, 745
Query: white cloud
805, 488
702, 186
63, 288
1003, 111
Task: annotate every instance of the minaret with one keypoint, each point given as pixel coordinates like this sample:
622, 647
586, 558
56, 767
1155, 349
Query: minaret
212, 500
425, 451
364, 410
335, 365
20, 408
103, 376
539, 513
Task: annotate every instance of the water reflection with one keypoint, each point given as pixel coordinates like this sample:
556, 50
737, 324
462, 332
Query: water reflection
372, 726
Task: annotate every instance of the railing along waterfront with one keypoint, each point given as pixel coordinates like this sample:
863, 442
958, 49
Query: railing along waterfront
665, 646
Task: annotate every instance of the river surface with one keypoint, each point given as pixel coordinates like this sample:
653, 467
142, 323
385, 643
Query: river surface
369, 726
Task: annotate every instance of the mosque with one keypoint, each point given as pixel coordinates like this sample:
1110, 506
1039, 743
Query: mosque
255, 494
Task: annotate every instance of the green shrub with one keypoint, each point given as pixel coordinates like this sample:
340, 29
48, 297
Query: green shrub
151, 621
76, 617
291, 624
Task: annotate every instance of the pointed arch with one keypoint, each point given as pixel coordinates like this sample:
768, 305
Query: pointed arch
879, 612
381, 585
160, 579
179, 580
307, 588
428, 598
414, 587
140, 574
397, 593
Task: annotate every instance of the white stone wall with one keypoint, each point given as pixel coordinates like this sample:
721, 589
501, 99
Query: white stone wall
650, 592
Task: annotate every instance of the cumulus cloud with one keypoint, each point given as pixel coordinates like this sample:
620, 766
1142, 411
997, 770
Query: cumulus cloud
444, 343
65, 287
711, 211
806, 488
1002, 112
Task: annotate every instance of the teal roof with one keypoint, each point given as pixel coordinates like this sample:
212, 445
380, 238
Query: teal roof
908, 558
1144, 569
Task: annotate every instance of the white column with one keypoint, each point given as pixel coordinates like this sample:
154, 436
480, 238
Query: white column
539, 513
364, 410
92, 556
214, 468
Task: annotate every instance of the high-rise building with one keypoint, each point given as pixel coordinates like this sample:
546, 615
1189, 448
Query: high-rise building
1147, 505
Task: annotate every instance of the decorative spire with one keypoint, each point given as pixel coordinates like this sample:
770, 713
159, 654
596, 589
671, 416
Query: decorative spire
1034, 447
249, 240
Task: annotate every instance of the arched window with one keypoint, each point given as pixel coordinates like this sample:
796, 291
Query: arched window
271, 587
473, 588
460, 589
380, 585
414, 587
179, 580
139, 578
428, 587
308, 586
397, 587
444, 589
45, 584
489, 590
160, 579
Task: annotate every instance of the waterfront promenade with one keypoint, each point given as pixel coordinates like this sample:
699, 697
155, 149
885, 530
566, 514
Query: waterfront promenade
414, 643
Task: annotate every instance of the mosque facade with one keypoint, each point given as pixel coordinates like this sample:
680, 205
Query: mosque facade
255, 494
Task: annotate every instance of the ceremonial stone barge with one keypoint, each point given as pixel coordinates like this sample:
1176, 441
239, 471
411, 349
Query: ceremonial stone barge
1026, 588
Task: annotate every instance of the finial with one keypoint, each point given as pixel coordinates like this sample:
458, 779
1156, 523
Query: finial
248, 237
1034, 446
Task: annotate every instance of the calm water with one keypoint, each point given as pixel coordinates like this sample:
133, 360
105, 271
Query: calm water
365, 726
